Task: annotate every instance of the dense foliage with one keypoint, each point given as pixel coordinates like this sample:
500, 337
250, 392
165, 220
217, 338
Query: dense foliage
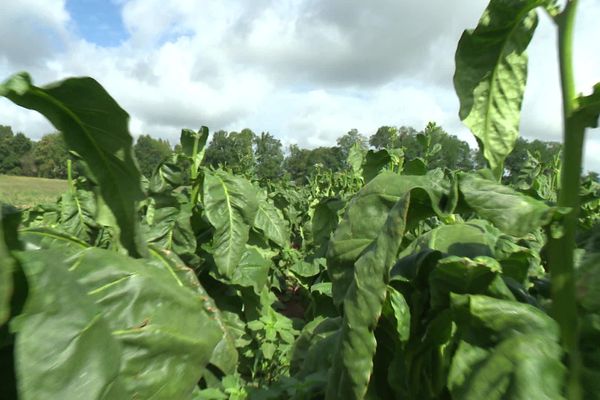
390, 278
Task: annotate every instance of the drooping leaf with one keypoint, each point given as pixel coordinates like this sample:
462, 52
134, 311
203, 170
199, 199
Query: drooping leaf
491, 73
511, 211
95, 127
508, 350
230, 205
269, 220
64, 347
431, 195
363, 304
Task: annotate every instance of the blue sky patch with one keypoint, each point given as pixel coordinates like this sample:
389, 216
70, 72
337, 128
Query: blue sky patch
98, 21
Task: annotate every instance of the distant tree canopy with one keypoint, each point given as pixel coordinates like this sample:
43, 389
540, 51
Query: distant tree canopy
13, 150
50, 156
518, 158
351, 138
268, 154
300, 163
150, 152
232, 150
262, 156
427, 145
246, 153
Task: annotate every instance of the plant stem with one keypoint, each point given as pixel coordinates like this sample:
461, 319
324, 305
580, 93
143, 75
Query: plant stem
561, 250
194, 173
70, 175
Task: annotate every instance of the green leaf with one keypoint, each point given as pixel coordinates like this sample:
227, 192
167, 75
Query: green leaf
355, 158
162, 325
193, 144
77, 213
468, 239
167, 176
397, 307
95, 127
508, 350
224, 355
363, 304
7, 266
588, 108
366, 214
324, 221
375, 162
461, 275
416, 166
269, 220
509, 210
306, 269
230, 205
252, 270
491, 74
312, 350
64, 346
48, 238
169, 226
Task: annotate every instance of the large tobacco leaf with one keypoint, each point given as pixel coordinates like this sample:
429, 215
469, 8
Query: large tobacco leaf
506, 350
324, 221
77, 213
376, 161
193, 145
269, 220
491, 74
511, 211
253, 269
363, 305
168, 224
230, 204
431, 194
224, 355
95, 127
161, 326
468, 239
48, 238
64, 347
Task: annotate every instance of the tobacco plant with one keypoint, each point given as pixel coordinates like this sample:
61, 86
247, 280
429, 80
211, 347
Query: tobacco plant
390, 280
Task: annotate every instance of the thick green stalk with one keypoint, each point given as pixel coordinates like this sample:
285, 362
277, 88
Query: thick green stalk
194, 173
70, 175
561, 250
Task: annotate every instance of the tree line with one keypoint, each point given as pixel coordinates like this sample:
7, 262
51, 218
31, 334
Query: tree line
263, 156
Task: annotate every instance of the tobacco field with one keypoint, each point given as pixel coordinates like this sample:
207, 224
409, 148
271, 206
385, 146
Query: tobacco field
390, 280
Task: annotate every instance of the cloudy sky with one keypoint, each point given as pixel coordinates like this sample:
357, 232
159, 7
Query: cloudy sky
307, 71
